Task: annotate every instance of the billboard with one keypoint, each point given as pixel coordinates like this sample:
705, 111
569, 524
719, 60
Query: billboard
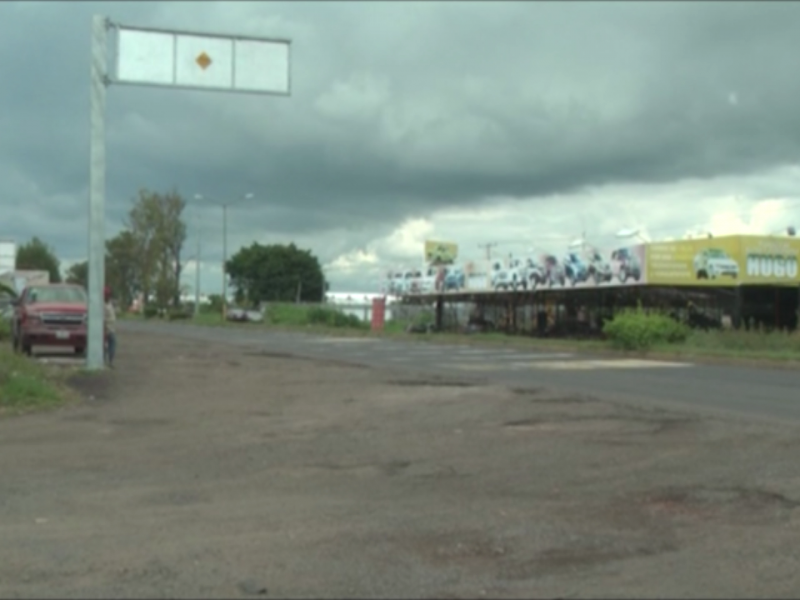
8, 256
713, 262
440, 253
584, 267
725, 261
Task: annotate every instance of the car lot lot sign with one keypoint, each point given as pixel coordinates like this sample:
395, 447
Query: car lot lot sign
725, 261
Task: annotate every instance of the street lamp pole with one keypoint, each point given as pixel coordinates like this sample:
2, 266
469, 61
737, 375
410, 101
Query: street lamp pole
225, 206
224, 260
197, 279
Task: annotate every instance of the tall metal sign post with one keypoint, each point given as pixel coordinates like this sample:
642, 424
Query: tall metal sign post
168, 59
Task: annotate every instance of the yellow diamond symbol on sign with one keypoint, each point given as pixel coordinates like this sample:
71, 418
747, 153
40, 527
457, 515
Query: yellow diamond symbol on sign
204, 60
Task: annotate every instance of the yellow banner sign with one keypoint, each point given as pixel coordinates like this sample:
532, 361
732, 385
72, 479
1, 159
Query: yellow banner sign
440, 253
724, 261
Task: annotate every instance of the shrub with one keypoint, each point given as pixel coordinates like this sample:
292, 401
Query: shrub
150, 311
637, 330
298, 315
5, 330
331, 317
179, 313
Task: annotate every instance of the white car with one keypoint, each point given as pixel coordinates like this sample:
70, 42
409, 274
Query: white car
513, 277
711, 263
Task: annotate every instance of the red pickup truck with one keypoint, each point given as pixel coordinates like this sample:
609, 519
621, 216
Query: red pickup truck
50, 315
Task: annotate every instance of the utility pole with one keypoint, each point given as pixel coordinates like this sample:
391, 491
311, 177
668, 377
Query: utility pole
197, 279
224, 260
225, 206
488, 247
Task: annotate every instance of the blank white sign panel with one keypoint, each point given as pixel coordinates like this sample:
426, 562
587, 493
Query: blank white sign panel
145, 57
202, 61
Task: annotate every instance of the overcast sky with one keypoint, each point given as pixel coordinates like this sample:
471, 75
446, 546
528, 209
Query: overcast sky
517, 123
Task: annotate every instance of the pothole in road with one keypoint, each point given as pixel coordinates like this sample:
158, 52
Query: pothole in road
542, 396
441, 383
584, 554
267, 354
737, 503
599, 425
624, 424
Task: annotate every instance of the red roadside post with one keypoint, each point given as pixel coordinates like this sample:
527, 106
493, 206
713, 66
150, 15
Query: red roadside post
378, 313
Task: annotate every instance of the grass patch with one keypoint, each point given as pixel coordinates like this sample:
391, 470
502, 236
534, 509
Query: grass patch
26, 385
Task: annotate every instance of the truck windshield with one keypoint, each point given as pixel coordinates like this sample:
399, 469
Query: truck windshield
66, 295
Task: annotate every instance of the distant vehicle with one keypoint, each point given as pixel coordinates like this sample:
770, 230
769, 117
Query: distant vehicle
50, 315
241, 315
575, 271
512, 277
554, 271
599, 269
625, 264
536, 274
454, 279
711, 263
409, 281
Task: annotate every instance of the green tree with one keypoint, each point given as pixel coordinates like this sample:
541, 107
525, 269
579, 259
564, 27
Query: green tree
78, 274
38, 256
276, 273
123, 272
157, 226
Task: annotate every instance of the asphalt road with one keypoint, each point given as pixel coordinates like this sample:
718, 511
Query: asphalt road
754, 392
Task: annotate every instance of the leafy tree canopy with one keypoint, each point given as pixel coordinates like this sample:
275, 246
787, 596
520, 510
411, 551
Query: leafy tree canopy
276, 273
38, 256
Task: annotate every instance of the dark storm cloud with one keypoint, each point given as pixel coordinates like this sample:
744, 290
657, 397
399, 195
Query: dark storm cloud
402, 108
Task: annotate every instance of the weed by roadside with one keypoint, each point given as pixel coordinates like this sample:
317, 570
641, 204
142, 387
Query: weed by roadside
27, 385
24, 383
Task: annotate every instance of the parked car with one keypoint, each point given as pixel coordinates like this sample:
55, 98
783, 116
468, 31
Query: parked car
554, 271
536, 274
454, 279
575, 271
242, 315
599, 270
711, 263
625, 264
512, 277
50, 315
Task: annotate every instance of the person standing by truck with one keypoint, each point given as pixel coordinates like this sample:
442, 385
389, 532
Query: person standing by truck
110, 328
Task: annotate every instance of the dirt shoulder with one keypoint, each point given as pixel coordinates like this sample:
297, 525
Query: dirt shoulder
214, 471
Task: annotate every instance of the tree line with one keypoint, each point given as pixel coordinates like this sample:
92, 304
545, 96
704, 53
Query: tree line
146, 258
